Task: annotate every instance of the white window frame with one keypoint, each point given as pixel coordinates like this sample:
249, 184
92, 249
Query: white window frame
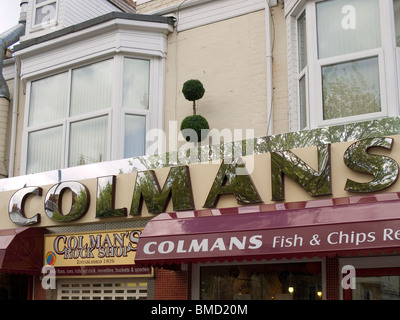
49, 23
387, 62
116, 113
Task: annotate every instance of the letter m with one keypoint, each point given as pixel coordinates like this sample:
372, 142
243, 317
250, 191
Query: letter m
177, 186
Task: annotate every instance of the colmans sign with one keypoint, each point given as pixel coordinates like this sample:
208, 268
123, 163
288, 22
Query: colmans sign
71, 200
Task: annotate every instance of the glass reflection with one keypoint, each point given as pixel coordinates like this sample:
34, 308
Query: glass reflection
16, 207
54, 201
384, 170
286, 141
315, 183
351, 88
177, 186
105, 201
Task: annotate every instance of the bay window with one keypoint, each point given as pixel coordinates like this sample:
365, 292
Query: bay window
346, 61
93, 113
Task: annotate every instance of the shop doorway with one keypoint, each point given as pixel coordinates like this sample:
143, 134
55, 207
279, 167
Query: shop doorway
102, 289
14, 286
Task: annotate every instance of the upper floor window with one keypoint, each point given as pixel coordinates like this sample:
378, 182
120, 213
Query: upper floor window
88, 114
44, 12
346, 62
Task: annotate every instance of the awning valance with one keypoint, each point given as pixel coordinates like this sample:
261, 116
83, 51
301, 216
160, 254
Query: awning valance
21, 250
358, 225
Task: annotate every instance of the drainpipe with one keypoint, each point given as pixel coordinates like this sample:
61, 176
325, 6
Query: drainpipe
7, 39
268, 5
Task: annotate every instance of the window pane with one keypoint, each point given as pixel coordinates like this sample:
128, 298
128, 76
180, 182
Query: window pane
351, 88
44, 150
136, 83
396, 7
88, 141
302, 41
377, 288
303, 103
289, 281
135, 136
92, 87
49, 99
45, 13
346, 26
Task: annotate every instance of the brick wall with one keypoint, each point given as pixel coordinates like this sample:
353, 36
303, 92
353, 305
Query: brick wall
332, 278
38, 292
171, 285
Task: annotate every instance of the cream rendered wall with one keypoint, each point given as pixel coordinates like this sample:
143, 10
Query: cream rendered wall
229, 57
154, 5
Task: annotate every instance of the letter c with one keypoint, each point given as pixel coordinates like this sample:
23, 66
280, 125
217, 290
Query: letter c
146, 248
16, 206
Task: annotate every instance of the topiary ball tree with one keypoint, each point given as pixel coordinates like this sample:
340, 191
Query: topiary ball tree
194, 128
193, 90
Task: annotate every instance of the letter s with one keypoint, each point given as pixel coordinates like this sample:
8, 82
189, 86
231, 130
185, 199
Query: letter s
384, 170
256, 242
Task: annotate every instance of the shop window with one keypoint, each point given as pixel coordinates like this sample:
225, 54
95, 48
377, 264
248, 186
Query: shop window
75, 117
375, 284
288, 281
345, 61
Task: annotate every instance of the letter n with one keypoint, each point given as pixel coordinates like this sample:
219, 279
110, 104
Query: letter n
316, 183
177, 186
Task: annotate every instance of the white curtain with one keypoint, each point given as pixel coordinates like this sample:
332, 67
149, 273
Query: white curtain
48, 100
136, 83
92, 87
347, 26
88, 141
135, 136
302, 41
44, 150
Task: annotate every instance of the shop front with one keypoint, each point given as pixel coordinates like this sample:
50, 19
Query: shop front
97, 265
260, 253
294, 218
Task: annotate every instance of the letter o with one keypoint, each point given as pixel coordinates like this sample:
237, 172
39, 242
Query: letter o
169, 247
79, 206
